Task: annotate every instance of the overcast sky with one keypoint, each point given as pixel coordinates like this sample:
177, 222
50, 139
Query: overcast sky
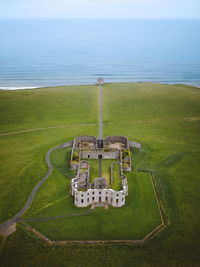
101, 8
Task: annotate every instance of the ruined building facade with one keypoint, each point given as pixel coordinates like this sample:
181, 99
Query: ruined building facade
97, 192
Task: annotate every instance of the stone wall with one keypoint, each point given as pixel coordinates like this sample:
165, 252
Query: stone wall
135, 144
107, 196
81, 180
96, 154
91, 196
68, 144
73, 166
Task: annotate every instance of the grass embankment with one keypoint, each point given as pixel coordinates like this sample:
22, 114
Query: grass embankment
171, 150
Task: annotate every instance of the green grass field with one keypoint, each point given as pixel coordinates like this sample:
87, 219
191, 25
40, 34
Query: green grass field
48, 107
136, 219
145, 101
94, 169
54, 199
106, 168
23, 164
165, 118
117, 183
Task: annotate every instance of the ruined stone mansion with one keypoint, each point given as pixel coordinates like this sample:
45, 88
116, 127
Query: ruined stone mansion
98, 192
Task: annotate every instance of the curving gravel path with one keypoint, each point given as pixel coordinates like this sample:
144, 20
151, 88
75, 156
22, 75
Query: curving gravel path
14, 219
58, 217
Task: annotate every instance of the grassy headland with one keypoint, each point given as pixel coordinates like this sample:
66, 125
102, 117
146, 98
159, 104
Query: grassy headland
164, 117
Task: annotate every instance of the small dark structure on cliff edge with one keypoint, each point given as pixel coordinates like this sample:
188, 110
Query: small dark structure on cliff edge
100, 81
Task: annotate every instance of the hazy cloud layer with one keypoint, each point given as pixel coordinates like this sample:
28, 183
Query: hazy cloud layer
101, 8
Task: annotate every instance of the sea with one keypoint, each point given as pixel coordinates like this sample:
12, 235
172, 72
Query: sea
56, 52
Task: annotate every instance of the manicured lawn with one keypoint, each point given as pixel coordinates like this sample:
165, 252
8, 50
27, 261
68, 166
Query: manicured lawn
117, 182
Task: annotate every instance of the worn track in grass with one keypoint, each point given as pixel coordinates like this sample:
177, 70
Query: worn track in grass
95, 124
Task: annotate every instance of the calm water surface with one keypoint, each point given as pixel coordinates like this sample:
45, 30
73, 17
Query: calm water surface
50, 52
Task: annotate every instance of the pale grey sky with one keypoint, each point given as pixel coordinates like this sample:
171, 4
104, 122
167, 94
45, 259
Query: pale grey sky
101, 8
